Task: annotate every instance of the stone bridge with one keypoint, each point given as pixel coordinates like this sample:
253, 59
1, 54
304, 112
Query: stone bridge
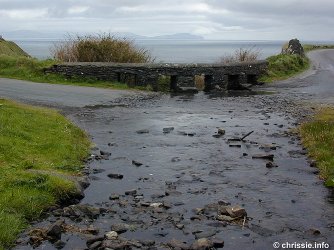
178, 76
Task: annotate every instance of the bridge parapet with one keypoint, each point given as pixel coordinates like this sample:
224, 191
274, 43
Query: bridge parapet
226, 76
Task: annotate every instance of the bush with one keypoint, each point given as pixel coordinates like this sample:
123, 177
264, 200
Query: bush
241, 55
100, 48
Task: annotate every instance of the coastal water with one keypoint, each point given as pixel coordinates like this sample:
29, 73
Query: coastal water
175, 51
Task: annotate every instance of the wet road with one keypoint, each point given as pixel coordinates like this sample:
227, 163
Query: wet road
190, 173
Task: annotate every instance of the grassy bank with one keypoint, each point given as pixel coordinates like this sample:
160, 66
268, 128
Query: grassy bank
310, 47
31, 69
283, 66
39, 149
318, 137
11, 49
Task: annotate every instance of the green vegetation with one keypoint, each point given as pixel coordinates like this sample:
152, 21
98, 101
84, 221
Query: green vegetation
283, 66
100, 48
310, 47
318, 137
11, 49
40, 152
31, 69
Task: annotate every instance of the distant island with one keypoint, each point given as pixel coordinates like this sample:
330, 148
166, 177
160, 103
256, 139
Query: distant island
29, 34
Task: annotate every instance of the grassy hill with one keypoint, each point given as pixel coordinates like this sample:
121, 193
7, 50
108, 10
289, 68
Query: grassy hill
11, 49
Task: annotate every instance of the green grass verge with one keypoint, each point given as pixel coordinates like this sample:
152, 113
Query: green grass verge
31, 69
310, 47
39, 149
282, 67
318, 137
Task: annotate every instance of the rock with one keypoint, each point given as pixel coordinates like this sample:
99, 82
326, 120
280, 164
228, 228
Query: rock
313, 164
202, 244
55, 230
234, 146
313, 231
131, 192
293, 48
206, 234
236, 212
59, 244
179, 226
271, 165
116, 245
112, 235
120, 228
81, 211
94, 239
225, 218
137, 163
92, 230
156, 205
221, 131
217, 243
104, 153
167, 130
114, 197
143, 131
176, 244
95, 245
264, 156
116, 176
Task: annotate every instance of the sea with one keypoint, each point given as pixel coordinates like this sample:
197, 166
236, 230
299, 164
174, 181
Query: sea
174, 51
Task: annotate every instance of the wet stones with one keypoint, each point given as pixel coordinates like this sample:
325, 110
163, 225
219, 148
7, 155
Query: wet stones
115, 176
221, 132
264, 156
270, 164
132, 192
81, 211
167, 130
142, 131
120, 228
54, 231
202, 244
136, 163
112, 235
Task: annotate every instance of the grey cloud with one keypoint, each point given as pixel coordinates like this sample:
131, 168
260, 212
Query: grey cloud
215, 18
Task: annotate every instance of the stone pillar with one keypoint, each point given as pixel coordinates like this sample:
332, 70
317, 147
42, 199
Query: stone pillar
174, 83
208, 82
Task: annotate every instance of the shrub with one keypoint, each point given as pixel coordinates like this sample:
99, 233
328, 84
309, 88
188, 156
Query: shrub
100, 48
241, 55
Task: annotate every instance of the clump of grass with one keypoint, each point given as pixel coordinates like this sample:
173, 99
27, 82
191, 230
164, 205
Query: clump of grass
100, 48
241, 55
283, 66
40, 151
318, 136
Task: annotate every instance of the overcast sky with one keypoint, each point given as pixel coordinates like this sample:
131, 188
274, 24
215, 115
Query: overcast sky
213, 19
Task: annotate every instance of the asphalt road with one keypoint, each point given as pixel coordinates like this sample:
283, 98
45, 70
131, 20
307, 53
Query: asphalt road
59, 95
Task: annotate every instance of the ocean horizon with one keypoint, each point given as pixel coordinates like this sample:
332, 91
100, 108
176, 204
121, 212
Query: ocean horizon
174, 51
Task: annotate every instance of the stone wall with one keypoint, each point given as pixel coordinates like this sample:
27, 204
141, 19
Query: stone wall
226, 76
